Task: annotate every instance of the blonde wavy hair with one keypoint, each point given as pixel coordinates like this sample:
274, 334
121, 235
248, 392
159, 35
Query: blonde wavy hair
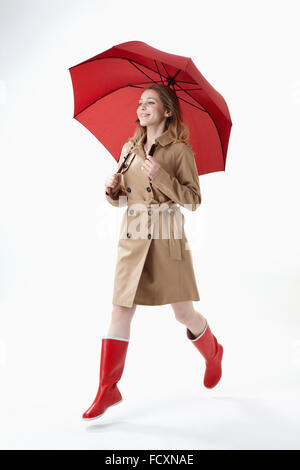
177, 128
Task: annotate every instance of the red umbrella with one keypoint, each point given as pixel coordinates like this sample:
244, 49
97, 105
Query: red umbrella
107, 88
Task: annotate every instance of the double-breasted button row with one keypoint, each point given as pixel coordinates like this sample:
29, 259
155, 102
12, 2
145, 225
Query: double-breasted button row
148, 188
129, 235
131, 212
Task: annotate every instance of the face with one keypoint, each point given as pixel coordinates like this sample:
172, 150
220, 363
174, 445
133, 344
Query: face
150, 109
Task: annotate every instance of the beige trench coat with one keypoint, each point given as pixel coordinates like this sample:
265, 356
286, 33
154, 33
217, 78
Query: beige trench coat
154, 263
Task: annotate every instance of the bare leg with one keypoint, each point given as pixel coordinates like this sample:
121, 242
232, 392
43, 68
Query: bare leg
121, 321
186, 314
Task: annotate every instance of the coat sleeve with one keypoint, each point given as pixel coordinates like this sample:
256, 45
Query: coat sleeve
184, 189
114, 198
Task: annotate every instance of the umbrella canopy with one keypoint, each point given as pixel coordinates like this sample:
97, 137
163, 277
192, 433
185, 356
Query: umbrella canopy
108, 86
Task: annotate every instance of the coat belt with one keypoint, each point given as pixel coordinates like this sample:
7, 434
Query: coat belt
175, 227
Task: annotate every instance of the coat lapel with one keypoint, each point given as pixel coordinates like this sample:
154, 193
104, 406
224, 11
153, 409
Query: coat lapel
164, 139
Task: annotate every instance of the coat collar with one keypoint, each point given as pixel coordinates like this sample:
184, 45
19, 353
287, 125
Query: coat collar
164, 139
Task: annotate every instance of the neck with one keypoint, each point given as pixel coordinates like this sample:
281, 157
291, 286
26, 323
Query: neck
152, 133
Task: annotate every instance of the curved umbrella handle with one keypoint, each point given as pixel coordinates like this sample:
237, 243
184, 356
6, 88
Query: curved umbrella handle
124, 159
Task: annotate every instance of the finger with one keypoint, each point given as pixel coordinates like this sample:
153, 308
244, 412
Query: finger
145, 170
151, 159
112, 180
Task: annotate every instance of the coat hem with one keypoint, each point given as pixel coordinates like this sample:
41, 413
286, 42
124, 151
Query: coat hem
193, 298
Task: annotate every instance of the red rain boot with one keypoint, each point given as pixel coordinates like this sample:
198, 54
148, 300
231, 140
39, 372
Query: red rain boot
113, 354
212, 352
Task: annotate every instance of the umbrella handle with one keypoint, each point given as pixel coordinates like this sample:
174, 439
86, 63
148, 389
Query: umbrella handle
109, 193
125, 158
151, 152
152, 149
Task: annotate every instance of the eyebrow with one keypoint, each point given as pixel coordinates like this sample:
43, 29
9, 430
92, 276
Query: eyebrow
152, 97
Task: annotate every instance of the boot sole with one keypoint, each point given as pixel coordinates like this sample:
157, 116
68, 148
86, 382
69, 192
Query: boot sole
99, 416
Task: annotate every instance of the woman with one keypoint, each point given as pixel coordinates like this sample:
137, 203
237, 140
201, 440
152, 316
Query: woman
152, 268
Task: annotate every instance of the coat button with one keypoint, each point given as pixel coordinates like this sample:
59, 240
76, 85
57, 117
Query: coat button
128, 235
150, 212
131, 212
148, 189
149, 235
129, 190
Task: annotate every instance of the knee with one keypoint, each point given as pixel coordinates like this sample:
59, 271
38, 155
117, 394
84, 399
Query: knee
122, 314
183, 315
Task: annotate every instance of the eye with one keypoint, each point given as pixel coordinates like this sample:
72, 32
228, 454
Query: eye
150, 102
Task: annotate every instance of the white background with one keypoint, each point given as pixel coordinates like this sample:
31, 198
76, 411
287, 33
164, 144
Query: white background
59, 235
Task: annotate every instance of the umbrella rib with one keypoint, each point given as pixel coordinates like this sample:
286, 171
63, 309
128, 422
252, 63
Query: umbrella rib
189, 89
205, 110
136, 86
191, 104
158, 70
139, 83
168, 78
132, 63
101, 97
183, 81
122, 58
116, 89
129, 85
185, 91
165, 69
173, 82
176, 82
